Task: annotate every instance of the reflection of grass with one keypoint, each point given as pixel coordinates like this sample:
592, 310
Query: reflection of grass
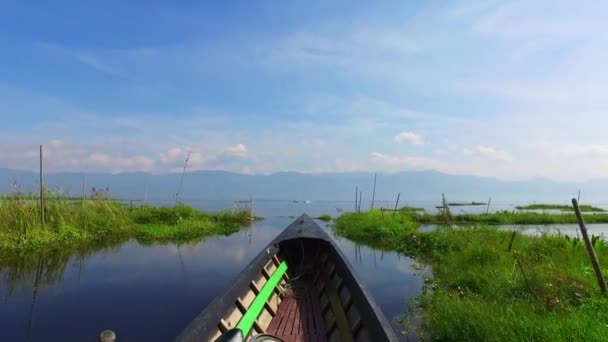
561, 207
543, 290
324, 217
69, 223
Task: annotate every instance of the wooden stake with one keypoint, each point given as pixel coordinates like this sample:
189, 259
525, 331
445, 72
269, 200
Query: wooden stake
41, 191
251, 206
181, 180
373, 194
488, 208
396, 204
511, 242
596, 264
84, 197
356, 198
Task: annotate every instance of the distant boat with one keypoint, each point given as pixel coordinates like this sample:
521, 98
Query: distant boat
299, 288
307, 202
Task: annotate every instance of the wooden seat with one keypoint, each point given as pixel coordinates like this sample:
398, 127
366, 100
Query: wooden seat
299, 320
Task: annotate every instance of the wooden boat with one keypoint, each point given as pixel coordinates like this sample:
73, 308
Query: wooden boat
299, 288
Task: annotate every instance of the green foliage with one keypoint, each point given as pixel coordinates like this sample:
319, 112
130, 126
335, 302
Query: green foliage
542, 290
324, 217
561, 207
146, 214
506, 217
70, 222
376, 226
409, 209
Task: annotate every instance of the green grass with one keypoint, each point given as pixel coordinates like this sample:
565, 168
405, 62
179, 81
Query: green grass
408, 209
507, 217
560, 207
70, 223
376, 227
478, 291
324, 217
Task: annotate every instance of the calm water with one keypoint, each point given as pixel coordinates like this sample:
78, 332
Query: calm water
152, 292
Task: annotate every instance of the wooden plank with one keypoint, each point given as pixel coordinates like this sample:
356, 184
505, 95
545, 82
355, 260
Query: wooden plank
276, 321
257, 306
336, 306
287, 301
306, 317
318, 318
296, 319
291, 318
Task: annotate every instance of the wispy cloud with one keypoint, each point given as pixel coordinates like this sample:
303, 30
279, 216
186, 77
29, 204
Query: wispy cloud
408, 138
489, 153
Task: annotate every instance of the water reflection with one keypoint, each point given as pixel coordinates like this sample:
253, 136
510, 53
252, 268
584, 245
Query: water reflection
151, 292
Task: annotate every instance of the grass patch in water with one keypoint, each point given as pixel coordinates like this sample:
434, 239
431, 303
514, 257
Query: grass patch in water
70, 223
324, 218
544, 289
506, 217
462, 204
560, 207
377, 227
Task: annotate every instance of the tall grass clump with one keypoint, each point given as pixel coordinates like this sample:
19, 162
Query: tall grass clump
542, 289
377, 227
72, 222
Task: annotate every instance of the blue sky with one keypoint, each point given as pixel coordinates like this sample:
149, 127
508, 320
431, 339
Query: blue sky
513, 90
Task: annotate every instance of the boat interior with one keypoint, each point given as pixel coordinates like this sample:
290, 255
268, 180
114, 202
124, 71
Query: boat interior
300, 294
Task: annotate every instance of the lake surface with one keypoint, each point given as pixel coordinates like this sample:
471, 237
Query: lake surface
152, 292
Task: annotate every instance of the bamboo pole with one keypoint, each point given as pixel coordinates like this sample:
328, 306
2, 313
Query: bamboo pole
84, 198
41, 191
594, 261
181, 180
511, 242
488, 208
373, 193
356, 198
251, 207
396, 204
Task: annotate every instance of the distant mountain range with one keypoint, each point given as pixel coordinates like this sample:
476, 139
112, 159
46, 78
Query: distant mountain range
413, 186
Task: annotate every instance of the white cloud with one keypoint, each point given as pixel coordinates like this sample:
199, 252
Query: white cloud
238, 150
408, 138
488, 152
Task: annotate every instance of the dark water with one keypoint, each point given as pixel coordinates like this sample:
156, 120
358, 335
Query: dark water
152, 292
